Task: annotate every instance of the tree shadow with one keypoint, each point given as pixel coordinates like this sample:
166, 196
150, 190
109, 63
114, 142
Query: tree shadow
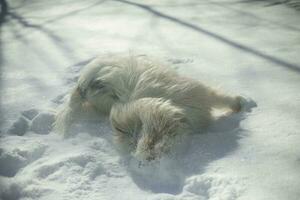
3, 16
295, 4
56, 40
74, 12
249, 14
59, 42
218, 37
191, 157
227, 5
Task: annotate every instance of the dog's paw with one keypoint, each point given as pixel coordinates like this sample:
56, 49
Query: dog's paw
246, 104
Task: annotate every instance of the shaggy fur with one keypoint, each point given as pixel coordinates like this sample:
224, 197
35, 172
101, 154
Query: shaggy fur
141, 92
147, 127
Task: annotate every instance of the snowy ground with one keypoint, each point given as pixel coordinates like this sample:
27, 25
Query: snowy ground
243, 47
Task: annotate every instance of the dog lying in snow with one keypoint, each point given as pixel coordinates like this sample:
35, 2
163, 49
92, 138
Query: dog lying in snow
149, 104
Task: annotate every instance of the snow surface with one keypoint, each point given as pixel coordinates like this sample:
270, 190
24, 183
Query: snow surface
244, 47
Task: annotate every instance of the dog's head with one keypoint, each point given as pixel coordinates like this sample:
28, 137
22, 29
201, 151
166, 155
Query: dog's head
96, 85
148, 127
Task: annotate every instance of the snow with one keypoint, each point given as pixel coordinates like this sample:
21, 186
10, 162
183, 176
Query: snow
247, 48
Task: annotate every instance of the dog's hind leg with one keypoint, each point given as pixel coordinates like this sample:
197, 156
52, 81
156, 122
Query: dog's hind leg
219, 100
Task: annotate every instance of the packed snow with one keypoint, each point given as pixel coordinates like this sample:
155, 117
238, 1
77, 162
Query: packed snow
248, 48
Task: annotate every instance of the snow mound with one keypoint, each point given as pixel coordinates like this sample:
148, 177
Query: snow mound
10, 190
32, 120
42, 123
30, 114
16, 153
213, 187
19, 127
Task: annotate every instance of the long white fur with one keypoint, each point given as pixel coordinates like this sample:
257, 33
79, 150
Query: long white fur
148, 127
126, 82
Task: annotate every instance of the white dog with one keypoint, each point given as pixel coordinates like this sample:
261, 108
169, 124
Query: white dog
148, 103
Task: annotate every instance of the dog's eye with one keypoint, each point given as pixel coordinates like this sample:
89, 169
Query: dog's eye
121, 130
97, 85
